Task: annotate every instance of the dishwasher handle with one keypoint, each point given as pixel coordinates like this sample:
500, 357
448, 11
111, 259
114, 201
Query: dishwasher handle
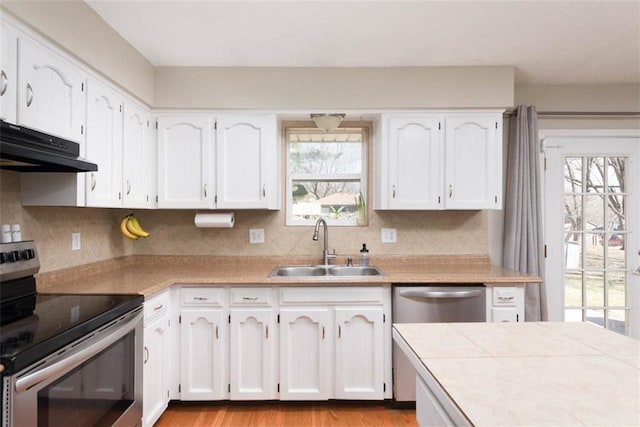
426, 294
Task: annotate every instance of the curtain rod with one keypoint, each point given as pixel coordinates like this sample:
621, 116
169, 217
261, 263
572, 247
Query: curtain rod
625, 114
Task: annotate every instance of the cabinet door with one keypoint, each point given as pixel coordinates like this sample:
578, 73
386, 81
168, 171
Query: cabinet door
474, 161
104, 145
184, 162
305, 335
51, 96
202, 364
415, 160
136, 157
156, 366
8, 72
252, 354
359, 372
246, 161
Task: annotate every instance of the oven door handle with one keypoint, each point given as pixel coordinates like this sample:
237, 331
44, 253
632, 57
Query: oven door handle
75, 359
413, 294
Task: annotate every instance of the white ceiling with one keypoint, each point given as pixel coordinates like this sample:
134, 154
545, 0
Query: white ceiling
549, 42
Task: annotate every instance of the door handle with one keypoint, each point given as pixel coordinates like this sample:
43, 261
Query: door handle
4, 82
29, 95
440, 294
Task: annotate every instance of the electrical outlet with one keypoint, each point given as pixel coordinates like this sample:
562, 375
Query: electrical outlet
388, 235
256, 235
76, 244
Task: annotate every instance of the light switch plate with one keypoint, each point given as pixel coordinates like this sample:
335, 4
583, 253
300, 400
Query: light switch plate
256, 235
76, 243
388, 235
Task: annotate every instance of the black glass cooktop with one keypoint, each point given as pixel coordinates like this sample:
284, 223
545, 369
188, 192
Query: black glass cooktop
35, 326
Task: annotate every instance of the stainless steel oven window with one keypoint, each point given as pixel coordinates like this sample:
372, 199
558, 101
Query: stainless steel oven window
94, 381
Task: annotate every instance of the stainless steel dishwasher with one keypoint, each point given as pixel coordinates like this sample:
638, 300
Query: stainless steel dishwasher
430, 304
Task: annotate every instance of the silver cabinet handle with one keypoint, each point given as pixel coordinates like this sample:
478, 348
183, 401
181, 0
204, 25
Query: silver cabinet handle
76, 359
201, 298
393, 193
339, 331
93, 181
264, 190
440, 294
128, 187
29, 95
146, 355
505, 298
450, 190
205, 190
267, 331
217, 334
158, 307
4, 82
323, 332
249, 298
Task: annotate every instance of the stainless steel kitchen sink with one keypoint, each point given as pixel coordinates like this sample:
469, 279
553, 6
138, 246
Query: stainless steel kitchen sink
321, 270
356, 270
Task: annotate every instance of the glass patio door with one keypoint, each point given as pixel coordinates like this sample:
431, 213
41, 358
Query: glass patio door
592, 221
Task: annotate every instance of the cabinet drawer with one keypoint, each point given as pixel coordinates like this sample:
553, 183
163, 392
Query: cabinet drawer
202, 296
250, 296
156, 306
504, 296
337, 295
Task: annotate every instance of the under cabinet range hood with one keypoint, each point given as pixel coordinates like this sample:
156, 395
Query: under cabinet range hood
27, 150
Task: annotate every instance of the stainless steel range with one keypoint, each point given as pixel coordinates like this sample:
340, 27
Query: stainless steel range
66, 359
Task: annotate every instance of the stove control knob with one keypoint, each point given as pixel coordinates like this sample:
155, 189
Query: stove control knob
28, 254
13, 256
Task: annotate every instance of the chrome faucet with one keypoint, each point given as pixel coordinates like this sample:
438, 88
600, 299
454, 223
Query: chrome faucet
325, 253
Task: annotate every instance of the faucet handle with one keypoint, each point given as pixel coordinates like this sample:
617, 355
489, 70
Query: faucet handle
349, 262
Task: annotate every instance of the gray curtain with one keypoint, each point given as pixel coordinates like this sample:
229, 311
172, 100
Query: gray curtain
523, 241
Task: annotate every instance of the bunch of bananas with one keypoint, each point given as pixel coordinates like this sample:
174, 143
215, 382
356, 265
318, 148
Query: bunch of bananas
130, 228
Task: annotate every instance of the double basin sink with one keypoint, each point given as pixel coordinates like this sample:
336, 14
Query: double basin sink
325, 270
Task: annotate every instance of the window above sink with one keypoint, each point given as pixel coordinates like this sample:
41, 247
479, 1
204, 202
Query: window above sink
327, 174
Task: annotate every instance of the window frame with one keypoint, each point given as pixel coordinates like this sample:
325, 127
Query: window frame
309, 128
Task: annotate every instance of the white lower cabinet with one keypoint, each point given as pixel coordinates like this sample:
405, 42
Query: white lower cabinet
202, 364
359, 369
305, 353
156, 357
252, 353
505, 303
287, 343
156, 364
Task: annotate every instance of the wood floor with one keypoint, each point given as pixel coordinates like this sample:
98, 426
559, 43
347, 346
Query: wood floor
298, 414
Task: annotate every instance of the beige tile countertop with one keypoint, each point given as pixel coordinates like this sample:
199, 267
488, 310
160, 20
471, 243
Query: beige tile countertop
148, 274
546, 373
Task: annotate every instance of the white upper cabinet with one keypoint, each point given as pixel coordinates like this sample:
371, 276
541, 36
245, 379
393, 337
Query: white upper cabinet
241, 172
246, 155
8, 72
51, 95
431, 161
104, 145
184, 162
474, 161
411, 168
137, 157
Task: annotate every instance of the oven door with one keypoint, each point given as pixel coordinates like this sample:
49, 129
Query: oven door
95, 381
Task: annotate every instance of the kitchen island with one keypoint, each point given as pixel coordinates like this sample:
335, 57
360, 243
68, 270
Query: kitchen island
506, 374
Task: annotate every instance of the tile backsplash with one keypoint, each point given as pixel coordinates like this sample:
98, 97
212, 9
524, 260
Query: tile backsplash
173, 232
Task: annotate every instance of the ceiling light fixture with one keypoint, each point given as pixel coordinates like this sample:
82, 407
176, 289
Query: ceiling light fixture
327, 122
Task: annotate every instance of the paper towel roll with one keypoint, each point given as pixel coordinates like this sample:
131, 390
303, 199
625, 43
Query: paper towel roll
214, 220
